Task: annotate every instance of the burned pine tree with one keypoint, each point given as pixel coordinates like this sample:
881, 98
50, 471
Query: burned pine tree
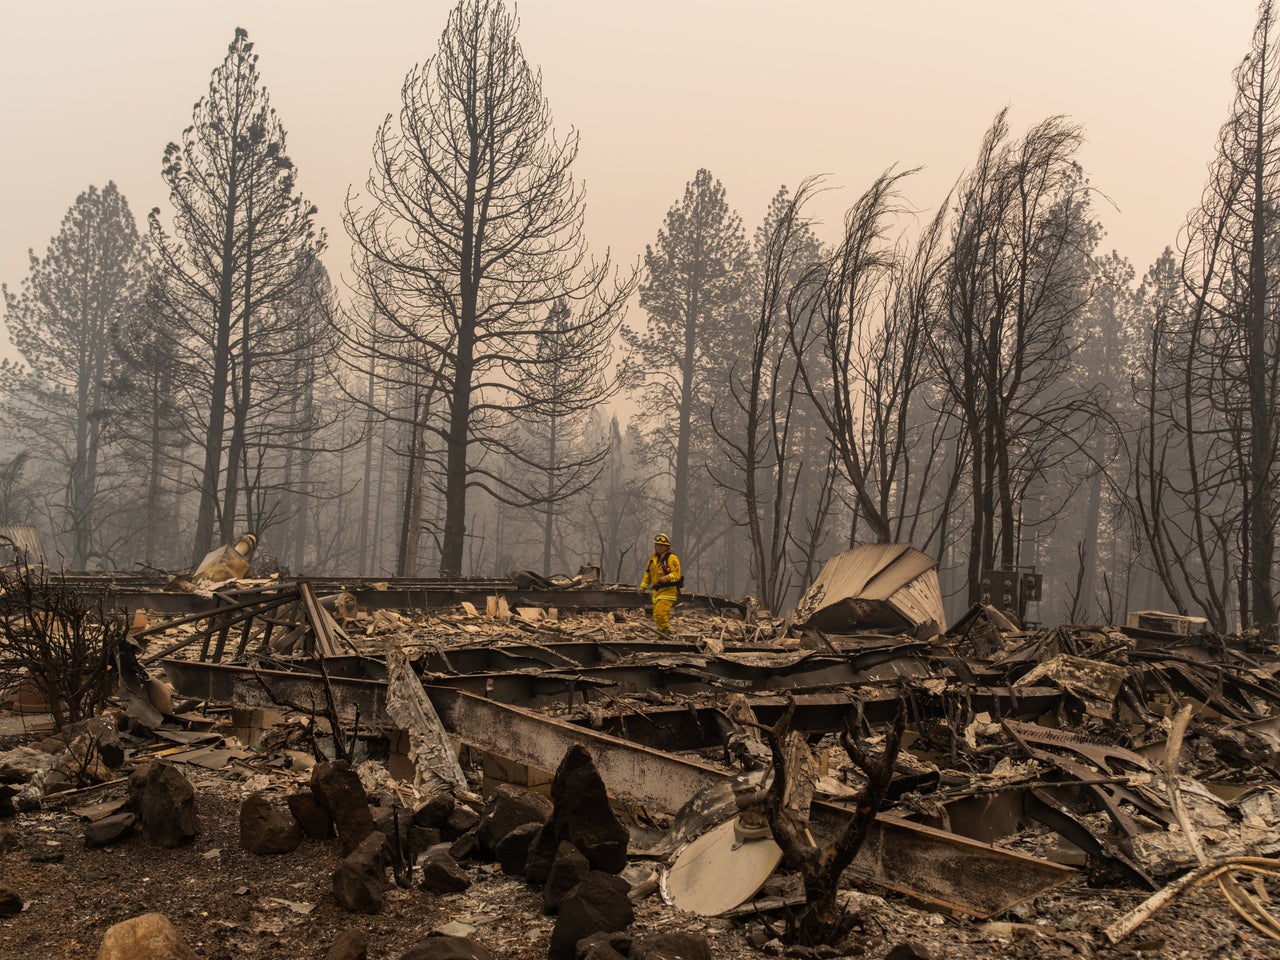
613, 504
557, 397
1015, 284
777, 477
17, 500
1218, 358
1096, 517
399, 389
1162, 501
146, 424
472, 230
243, 243
862, 333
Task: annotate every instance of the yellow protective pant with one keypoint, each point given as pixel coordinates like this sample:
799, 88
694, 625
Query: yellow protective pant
662, 613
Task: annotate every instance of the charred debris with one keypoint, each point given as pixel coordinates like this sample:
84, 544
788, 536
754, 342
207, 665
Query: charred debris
754, 768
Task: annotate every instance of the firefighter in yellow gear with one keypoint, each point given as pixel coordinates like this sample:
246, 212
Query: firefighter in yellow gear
662, 576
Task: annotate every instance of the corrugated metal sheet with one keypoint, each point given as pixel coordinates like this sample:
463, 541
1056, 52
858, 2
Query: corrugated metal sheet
877, 585
24, 537
920, 600
846, 574
904, 570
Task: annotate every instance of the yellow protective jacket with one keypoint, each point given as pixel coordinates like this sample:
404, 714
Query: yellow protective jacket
665, 568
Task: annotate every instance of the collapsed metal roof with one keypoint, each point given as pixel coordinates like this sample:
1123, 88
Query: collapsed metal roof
889, 585
23, 538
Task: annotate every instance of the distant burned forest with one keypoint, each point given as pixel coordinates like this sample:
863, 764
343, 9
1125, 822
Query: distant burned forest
985, 382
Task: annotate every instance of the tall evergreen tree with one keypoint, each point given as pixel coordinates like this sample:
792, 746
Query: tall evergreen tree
1095, 519
62, 324
243, 240
615, 504
16, 500
146, 423
1174, 507
563, 395
694, 294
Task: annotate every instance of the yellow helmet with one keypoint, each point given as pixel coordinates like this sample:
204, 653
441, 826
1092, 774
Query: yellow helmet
662, 538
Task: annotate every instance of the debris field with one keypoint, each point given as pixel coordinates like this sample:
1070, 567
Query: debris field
524, 767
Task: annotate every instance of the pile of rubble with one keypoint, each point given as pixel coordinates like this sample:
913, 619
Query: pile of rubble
543, 731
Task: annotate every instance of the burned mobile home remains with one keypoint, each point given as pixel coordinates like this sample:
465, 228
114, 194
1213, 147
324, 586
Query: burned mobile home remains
971, 769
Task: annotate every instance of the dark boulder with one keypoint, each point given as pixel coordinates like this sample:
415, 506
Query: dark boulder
339, 790
311, 815
165, 803
513, 849
447, 948
509, 807
266, 828
10, 902
677, 945
581, 814
108, 830
909, 950
422, 839
351, 944
599, 904
461, 821
604, 946
441, 873
568, 869
361, 878
465, 847
434, 812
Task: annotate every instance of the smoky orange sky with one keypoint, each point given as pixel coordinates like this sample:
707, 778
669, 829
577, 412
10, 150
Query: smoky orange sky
760, 93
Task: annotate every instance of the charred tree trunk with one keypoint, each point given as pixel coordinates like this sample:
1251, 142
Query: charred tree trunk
820, 921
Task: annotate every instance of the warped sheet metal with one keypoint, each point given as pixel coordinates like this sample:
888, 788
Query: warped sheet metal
23, 539
948, 871
1096, 683
931, 865
877, 585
